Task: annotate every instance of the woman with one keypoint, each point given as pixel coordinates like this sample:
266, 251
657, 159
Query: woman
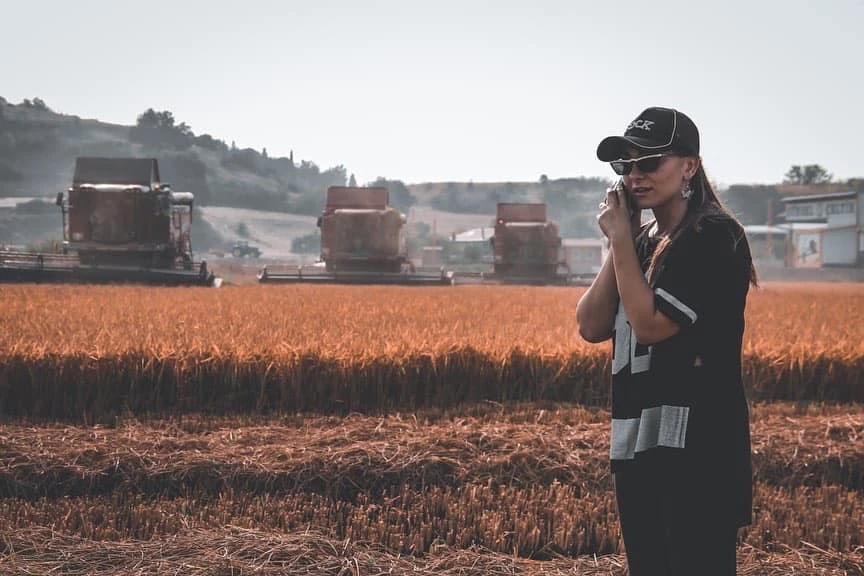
672, 296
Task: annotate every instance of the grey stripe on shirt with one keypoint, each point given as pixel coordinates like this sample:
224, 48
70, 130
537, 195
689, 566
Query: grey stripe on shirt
660, 426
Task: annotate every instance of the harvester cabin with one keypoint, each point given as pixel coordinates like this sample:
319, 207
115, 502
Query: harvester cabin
120, 212
525, 243
141, 172
520, 212
357, 197
360, 231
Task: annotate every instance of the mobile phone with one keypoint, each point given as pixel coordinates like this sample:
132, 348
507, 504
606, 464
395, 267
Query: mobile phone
619, 185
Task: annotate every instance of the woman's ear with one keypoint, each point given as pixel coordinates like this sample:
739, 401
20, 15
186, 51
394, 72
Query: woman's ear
691, 165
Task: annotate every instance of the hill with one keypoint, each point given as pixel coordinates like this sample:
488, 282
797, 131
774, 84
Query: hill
274, 200
571, 202
38, 148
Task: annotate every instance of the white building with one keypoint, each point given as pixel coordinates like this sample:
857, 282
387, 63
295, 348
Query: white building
825, 230
472, 246
475, 235
769, 245
584, 255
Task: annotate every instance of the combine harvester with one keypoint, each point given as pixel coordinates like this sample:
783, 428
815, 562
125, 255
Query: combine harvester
362, 242
526, 249
120, 225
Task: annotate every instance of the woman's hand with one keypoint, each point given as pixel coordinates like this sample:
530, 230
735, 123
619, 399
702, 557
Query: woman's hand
616, 219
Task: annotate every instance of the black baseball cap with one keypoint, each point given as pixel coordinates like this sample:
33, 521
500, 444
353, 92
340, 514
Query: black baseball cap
654, 130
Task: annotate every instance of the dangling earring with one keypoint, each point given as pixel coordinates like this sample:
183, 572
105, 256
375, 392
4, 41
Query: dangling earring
686, 192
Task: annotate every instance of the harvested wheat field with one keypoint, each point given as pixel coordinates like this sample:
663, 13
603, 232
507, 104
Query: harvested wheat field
350, 431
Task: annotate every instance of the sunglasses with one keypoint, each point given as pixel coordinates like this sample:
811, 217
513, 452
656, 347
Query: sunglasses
645, 164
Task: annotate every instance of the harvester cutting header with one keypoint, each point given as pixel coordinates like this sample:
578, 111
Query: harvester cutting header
362, 242
120, 224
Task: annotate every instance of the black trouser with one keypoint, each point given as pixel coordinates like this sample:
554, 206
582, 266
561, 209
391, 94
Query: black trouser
667, 532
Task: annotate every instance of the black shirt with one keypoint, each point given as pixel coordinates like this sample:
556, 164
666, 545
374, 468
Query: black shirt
679, 411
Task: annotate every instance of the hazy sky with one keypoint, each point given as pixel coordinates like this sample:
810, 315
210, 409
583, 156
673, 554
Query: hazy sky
444, 90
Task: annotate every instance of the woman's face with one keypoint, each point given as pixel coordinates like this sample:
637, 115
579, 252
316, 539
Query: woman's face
658, 188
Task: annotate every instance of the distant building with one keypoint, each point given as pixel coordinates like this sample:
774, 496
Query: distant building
475, 235
769, 245
584, 255
432, 256
472, 246
825, 230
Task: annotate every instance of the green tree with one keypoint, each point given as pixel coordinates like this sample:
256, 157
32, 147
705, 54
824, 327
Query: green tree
400, 197
753, 204
856, 184
807, 174
333, 176
352, 182
160, 130
307, 244
166, 119
186, 171
148, 119
245, 159
207, 141
473, 253
152, 119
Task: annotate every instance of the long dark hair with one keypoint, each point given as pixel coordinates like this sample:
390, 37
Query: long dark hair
702, 206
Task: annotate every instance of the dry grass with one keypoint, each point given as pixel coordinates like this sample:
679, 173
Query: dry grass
536, 522
234, 551
342, 457
526, 480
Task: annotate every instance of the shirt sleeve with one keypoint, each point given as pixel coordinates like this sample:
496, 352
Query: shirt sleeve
704, 269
